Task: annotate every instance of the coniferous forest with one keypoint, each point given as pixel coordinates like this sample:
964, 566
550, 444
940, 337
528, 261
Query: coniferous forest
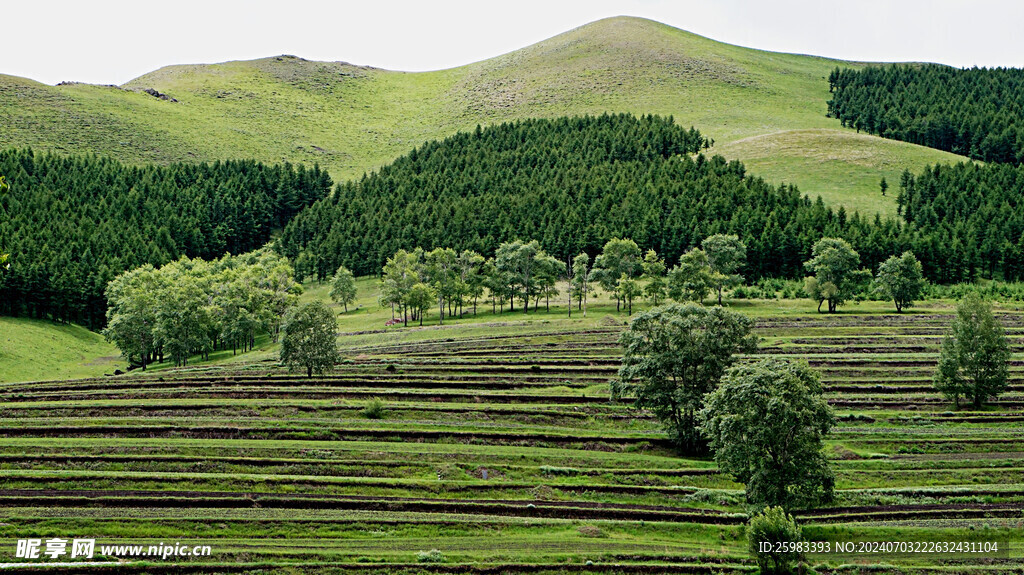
573, 184
71, 224
973, 112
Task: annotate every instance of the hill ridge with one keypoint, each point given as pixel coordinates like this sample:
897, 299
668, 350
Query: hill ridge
352, 119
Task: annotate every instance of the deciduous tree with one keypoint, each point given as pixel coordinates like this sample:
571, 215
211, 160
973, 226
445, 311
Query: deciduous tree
343, 287
727, 254
581, 280
654, 273
692, 279
627, 288
310, 338
400, 273
619, 257
900, 279
674, 355
421, 297
836, 275
441, 273
974, 355
766, 423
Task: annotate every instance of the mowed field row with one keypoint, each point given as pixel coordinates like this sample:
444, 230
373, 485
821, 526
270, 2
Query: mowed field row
500, 448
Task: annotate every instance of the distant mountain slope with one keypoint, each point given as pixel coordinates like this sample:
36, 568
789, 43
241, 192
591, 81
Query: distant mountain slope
352, 119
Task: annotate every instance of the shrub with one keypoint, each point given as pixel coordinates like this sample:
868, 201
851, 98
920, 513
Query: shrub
432, 556
772, 527
374, 409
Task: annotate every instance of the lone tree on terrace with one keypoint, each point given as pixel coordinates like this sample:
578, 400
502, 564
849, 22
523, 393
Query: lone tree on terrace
343, 287
309, 339
836, 277
766, 423
974, 356
674, 355
901, 280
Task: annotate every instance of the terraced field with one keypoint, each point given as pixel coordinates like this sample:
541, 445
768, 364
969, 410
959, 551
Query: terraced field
499, 447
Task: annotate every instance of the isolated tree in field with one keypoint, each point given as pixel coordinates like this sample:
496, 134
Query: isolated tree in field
343, 287
580, 281
654, 273
883, 186
692, 279
726, 256
618, 257
766, 422
900, 279
773, 527
836, 275
974, 355
309, 341
674, 355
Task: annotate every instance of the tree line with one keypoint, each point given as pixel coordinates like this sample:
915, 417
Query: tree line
974, 112
192, 307
72, 223
415, 282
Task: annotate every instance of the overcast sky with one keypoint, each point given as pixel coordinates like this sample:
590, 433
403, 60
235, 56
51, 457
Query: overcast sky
111, 42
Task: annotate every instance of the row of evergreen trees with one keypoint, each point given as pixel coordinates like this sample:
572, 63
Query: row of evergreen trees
974, 112
969, 218
193, 307
72, 223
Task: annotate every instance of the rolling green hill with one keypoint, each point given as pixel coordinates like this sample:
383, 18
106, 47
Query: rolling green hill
40, 349
765, 108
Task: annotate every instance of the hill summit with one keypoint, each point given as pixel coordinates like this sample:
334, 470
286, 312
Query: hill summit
765, 108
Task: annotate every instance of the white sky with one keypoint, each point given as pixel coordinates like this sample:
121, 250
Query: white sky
111, 42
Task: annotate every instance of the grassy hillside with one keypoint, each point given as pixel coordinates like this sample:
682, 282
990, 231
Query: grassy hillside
33, 350
352, 119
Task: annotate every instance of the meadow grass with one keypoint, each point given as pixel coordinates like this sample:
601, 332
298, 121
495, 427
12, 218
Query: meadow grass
40, 349
485, 490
